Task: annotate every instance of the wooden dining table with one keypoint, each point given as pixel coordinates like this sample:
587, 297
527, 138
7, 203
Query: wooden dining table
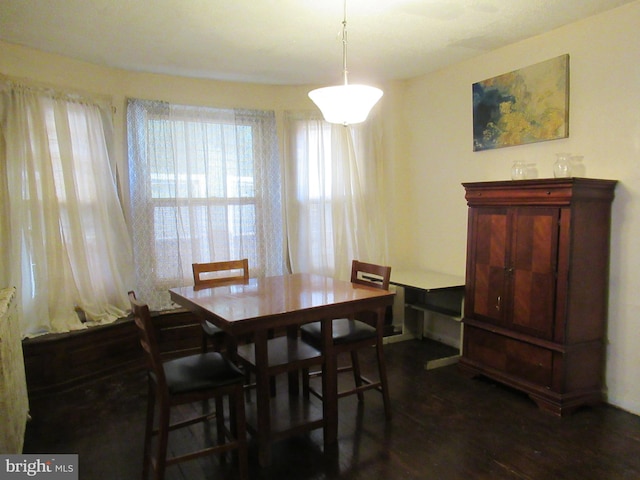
285, 302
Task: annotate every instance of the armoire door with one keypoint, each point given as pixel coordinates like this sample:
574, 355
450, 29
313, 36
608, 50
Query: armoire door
487, 262
532, 270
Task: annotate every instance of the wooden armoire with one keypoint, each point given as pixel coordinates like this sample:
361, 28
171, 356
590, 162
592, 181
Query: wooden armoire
537, 286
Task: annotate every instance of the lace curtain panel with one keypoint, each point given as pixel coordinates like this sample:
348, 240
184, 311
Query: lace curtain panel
66, 247
334, 195
205, 186
14, 399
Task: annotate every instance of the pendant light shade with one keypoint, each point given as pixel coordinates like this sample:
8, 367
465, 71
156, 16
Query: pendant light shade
345, 104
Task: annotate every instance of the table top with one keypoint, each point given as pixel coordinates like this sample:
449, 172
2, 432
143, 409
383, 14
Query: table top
282, 300
426, 279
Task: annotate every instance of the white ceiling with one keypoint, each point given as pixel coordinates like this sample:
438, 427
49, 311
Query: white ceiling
283, 41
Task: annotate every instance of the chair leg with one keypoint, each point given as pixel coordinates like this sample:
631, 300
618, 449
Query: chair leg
148, 432
164, 419
382, 372
205, 342
230, 345
305, 382
220, 420
357, 376
272, 386
247, 382
238, 423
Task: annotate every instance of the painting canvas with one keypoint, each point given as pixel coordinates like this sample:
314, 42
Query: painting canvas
524, 106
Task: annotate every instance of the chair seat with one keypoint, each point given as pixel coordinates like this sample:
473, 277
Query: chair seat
210, 329
200, 372
344, 331
285, 355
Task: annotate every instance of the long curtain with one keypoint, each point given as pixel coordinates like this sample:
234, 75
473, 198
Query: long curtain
65, 244
205, 186
334, 194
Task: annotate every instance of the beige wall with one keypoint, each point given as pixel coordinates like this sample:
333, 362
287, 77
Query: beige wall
604, 127
429, 153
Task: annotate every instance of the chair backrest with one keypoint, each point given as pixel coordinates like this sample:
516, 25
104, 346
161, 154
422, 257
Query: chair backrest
224, 273
142, 319
370, 274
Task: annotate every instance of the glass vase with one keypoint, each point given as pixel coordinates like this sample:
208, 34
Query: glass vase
518, 171
577, 166
562, 167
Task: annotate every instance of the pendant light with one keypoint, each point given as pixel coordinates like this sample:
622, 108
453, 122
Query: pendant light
345, 104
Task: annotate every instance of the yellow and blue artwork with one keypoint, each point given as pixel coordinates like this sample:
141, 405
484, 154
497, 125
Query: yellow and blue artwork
524, 106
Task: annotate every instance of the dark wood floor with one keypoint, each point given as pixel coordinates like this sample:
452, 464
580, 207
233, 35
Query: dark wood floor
444, 426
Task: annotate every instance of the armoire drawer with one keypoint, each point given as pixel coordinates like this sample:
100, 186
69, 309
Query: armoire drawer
513, 357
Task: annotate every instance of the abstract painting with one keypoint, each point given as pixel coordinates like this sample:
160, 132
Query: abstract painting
524, 106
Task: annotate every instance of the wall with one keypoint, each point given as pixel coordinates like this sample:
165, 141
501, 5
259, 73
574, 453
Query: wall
604, 127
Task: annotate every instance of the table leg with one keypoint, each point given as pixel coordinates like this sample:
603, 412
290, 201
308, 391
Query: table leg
329, 385
293, 377
382, 368
263, 397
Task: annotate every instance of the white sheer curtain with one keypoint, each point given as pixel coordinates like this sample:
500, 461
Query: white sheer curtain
65, 243
334, 194
205, 186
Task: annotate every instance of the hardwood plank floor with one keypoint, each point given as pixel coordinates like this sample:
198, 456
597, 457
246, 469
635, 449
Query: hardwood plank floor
444, 427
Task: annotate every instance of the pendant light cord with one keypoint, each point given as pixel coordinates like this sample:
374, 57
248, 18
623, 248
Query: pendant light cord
344, 44
345, 104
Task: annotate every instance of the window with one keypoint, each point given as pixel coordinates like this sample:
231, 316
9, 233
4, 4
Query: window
335, 195
67, 248
205, 186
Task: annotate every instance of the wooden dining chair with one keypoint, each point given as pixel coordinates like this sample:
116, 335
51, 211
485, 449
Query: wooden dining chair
214, 274
353, 334
189, 379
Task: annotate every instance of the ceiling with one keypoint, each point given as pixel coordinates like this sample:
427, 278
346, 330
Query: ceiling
283, 42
